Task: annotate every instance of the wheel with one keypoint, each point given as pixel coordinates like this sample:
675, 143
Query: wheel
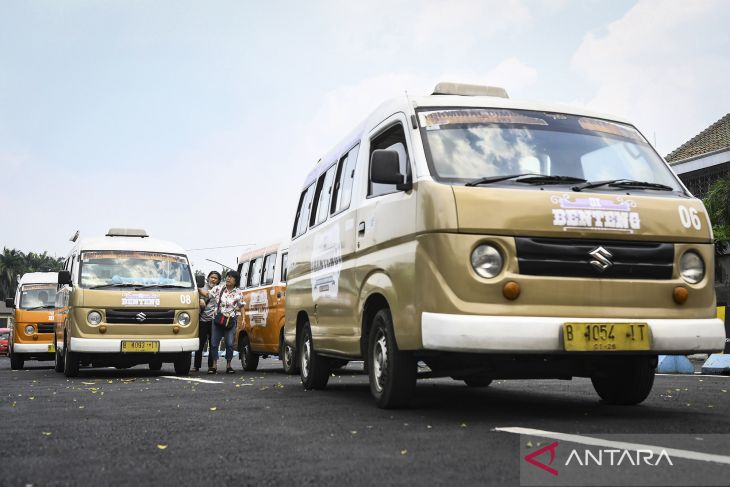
288, 358
70, 361
392, 372
626, 383
477, 381
155, 365
249, 360
338, 363
182, 363
58, 358
313, 368
16, 361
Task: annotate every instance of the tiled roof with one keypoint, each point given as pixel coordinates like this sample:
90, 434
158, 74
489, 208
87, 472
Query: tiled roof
713, 138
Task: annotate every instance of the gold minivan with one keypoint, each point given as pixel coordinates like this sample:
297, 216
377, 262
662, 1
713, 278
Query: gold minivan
495, 239
125, 299
261, 332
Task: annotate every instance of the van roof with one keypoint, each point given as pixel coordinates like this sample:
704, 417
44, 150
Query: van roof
408, 104
265, 250
129, 243
39, 278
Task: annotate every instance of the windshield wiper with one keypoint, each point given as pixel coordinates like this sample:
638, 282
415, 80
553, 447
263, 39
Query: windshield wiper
168, 286
622, 183
527, 178
113, 285
45, 306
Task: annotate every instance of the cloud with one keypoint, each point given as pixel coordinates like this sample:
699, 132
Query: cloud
663, 65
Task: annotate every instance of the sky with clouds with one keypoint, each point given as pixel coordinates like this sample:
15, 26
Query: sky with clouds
160, 114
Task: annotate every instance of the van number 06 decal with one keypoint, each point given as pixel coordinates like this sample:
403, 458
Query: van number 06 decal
689, 217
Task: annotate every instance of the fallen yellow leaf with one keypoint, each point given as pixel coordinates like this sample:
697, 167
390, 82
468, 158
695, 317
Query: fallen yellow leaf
404, 452
46, 433
161, 447
213, 408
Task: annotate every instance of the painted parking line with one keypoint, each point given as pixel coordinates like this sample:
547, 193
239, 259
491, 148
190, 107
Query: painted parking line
697, 374
588, 440
191, 379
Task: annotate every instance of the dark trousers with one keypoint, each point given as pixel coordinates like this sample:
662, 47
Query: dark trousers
205, 337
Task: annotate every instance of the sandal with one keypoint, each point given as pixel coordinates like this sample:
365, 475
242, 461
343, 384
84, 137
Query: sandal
230, 370
211, 371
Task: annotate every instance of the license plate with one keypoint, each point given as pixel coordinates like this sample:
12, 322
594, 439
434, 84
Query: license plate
140, 346
606, 337
51, 348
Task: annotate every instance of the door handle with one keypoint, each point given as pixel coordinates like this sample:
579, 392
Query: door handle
361, 228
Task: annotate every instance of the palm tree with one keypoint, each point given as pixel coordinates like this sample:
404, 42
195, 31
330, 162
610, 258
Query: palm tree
717, 203
12, 263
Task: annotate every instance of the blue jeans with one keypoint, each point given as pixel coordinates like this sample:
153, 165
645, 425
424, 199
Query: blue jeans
227, 334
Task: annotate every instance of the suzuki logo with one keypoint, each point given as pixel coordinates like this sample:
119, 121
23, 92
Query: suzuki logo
141, 317
602, 257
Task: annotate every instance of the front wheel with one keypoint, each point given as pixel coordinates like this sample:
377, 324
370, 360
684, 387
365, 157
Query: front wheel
392, 372
249, 360
182, 363
16, 361
288, 358
313, 368
70, 362
627, 382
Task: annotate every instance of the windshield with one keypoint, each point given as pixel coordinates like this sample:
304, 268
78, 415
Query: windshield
37, 296
467, 144
110, 268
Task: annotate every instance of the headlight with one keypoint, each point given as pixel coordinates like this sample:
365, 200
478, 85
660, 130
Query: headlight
29, 330
183, 319
691, 267
486, 261
94, 318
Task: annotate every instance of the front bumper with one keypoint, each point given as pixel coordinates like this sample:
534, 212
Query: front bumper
33, 348
114, 345
537, 334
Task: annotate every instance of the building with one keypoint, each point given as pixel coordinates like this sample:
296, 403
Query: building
5, 314
700, 162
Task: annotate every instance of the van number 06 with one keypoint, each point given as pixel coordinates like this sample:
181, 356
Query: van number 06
185, 298
689, 217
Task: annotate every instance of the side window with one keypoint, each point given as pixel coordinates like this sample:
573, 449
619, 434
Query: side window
342, 190
305, 205
243, 271
254, 273
393, 138
284, 263
322, 196
269, 267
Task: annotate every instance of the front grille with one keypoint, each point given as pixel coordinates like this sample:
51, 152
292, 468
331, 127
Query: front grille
572, 258
46, 327
140, 316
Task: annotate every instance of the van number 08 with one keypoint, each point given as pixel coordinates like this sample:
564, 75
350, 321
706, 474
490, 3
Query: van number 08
689, 217
185, 298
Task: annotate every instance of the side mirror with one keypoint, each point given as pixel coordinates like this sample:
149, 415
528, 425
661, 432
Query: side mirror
10, 303
200, 281
385, 169
64, 278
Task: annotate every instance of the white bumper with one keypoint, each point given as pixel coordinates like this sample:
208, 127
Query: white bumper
531, 334
114, 345
31, 348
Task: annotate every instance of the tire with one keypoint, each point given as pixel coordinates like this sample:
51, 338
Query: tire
314, 369
70, 362
182, 363
58, 366
155, 365
288, 358
477, 381
392, 372
249, 360
626, 383
16, 361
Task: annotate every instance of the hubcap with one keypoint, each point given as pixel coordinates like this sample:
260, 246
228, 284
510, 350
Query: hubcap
380, 360
306, 358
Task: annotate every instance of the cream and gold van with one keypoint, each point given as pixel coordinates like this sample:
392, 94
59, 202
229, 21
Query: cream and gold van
496, 239
31, 325
261, 333
126, 299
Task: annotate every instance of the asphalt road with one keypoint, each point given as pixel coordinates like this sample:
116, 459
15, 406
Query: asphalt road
136, 427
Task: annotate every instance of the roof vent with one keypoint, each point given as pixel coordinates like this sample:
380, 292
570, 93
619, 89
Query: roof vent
126, 232
469, 90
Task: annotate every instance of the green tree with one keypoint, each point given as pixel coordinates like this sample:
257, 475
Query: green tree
717, 203
14, 263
